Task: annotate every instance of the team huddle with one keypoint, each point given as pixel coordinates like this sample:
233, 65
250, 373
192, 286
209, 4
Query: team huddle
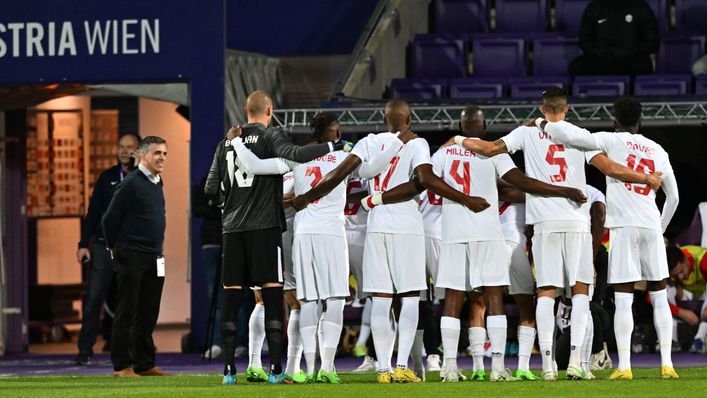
399, 219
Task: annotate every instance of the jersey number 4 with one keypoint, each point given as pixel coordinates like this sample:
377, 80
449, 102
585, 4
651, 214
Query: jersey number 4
642, 165
464, 179
317, 173
551, 159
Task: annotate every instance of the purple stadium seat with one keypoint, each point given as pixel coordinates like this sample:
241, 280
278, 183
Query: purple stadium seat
691, 16
531, 87
438, 56
660, 9
521, 15
568, 15
600, 86
678, 53
461, 16
551, 57
475, 88
701, 85
499, 56
417, 90
662, 85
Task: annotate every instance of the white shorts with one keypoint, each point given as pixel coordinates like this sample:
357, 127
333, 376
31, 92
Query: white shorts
472, 265
355, 241
520, 272
393, 263
321, 264
563, 258
636, 254
288, 272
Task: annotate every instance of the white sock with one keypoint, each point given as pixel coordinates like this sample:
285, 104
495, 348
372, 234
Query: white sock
308, 333
407, 327
526, 338
675, 330
578, 327
477, 338
365, 331
588, 342
320, 331
380, 329
449, 328
294, 343
545, 321
256, 335
416, 352
497, 328
701, 331
663, 321
331, 332
623, 327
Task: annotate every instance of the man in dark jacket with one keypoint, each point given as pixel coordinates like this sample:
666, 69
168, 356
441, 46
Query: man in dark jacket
134, 227
92, 247
617, 37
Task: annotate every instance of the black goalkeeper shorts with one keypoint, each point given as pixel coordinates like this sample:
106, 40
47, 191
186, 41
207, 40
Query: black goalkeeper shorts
252, 258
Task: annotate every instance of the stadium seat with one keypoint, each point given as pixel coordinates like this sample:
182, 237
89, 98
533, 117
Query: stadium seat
499, 56
662, 85
439, 56
475, 88
521, 15
691, 16
600, 86
678, 53
701, 85
660, 9
568, 15
552, 56
418, 90
531, 87
461, 16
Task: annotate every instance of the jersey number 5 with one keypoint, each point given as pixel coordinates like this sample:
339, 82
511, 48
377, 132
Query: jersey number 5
317, 173
551, 159
463, 180
643, 165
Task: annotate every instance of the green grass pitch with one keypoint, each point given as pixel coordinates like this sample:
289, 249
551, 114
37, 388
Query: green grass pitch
646, 383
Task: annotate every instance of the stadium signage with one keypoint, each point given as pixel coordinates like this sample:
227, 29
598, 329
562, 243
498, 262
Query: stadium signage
90, 37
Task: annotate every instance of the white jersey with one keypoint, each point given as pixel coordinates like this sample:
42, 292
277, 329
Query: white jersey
512, 217
431, 210
288, 185
629, 204
554, 164
356, 216
326, 214
594, 195
473, 175
396, 218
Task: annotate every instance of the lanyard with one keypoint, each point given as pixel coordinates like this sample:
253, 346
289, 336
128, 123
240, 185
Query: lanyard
122, 173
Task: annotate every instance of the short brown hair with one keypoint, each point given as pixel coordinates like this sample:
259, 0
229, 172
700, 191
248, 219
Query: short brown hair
554, 100
149, 140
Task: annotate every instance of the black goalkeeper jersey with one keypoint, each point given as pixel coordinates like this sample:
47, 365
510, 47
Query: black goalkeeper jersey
254, 202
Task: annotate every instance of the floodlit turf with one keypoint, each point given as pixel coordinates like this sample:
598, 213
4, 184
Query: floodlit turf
646, 383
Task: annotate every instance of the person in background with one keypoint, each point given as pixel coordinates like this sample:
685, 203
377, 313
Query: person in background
134, 226
92, 247
617, 37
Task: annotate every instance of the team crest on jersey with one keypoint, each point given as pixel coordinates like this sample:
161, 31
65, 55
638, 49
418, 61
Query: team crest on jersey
251, 139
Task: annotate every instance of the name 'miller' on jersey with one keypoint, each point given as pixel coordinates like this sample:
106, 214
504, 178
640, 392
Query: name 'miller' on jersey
629, 204
325, 215
554, 164
396, 218
472, 175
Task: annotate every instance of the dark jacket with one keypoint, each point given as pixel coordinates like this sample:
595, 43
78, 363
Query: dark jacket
205, 207
618, 30
103, 189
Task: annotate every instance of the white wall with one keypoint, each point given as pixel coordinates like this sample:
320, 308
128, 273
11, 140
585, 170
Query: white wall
159, 118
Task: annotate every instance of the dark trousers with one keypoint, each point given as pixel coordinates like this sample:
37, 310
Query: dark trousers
99, 280
593, 65
211, 257
138, 296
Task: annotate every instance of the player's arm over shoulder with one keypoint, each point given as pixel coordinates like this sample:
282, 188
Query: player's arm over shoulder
482, 147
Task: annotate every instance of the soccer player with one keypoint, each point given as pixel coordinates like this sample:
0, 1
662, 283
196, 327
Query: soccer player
635, 223
562, 246
253, 222
393, 258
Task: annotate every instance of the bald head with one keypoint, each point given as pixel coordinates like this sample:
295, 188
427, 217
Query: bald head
397, 115
258, 103
473, 122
